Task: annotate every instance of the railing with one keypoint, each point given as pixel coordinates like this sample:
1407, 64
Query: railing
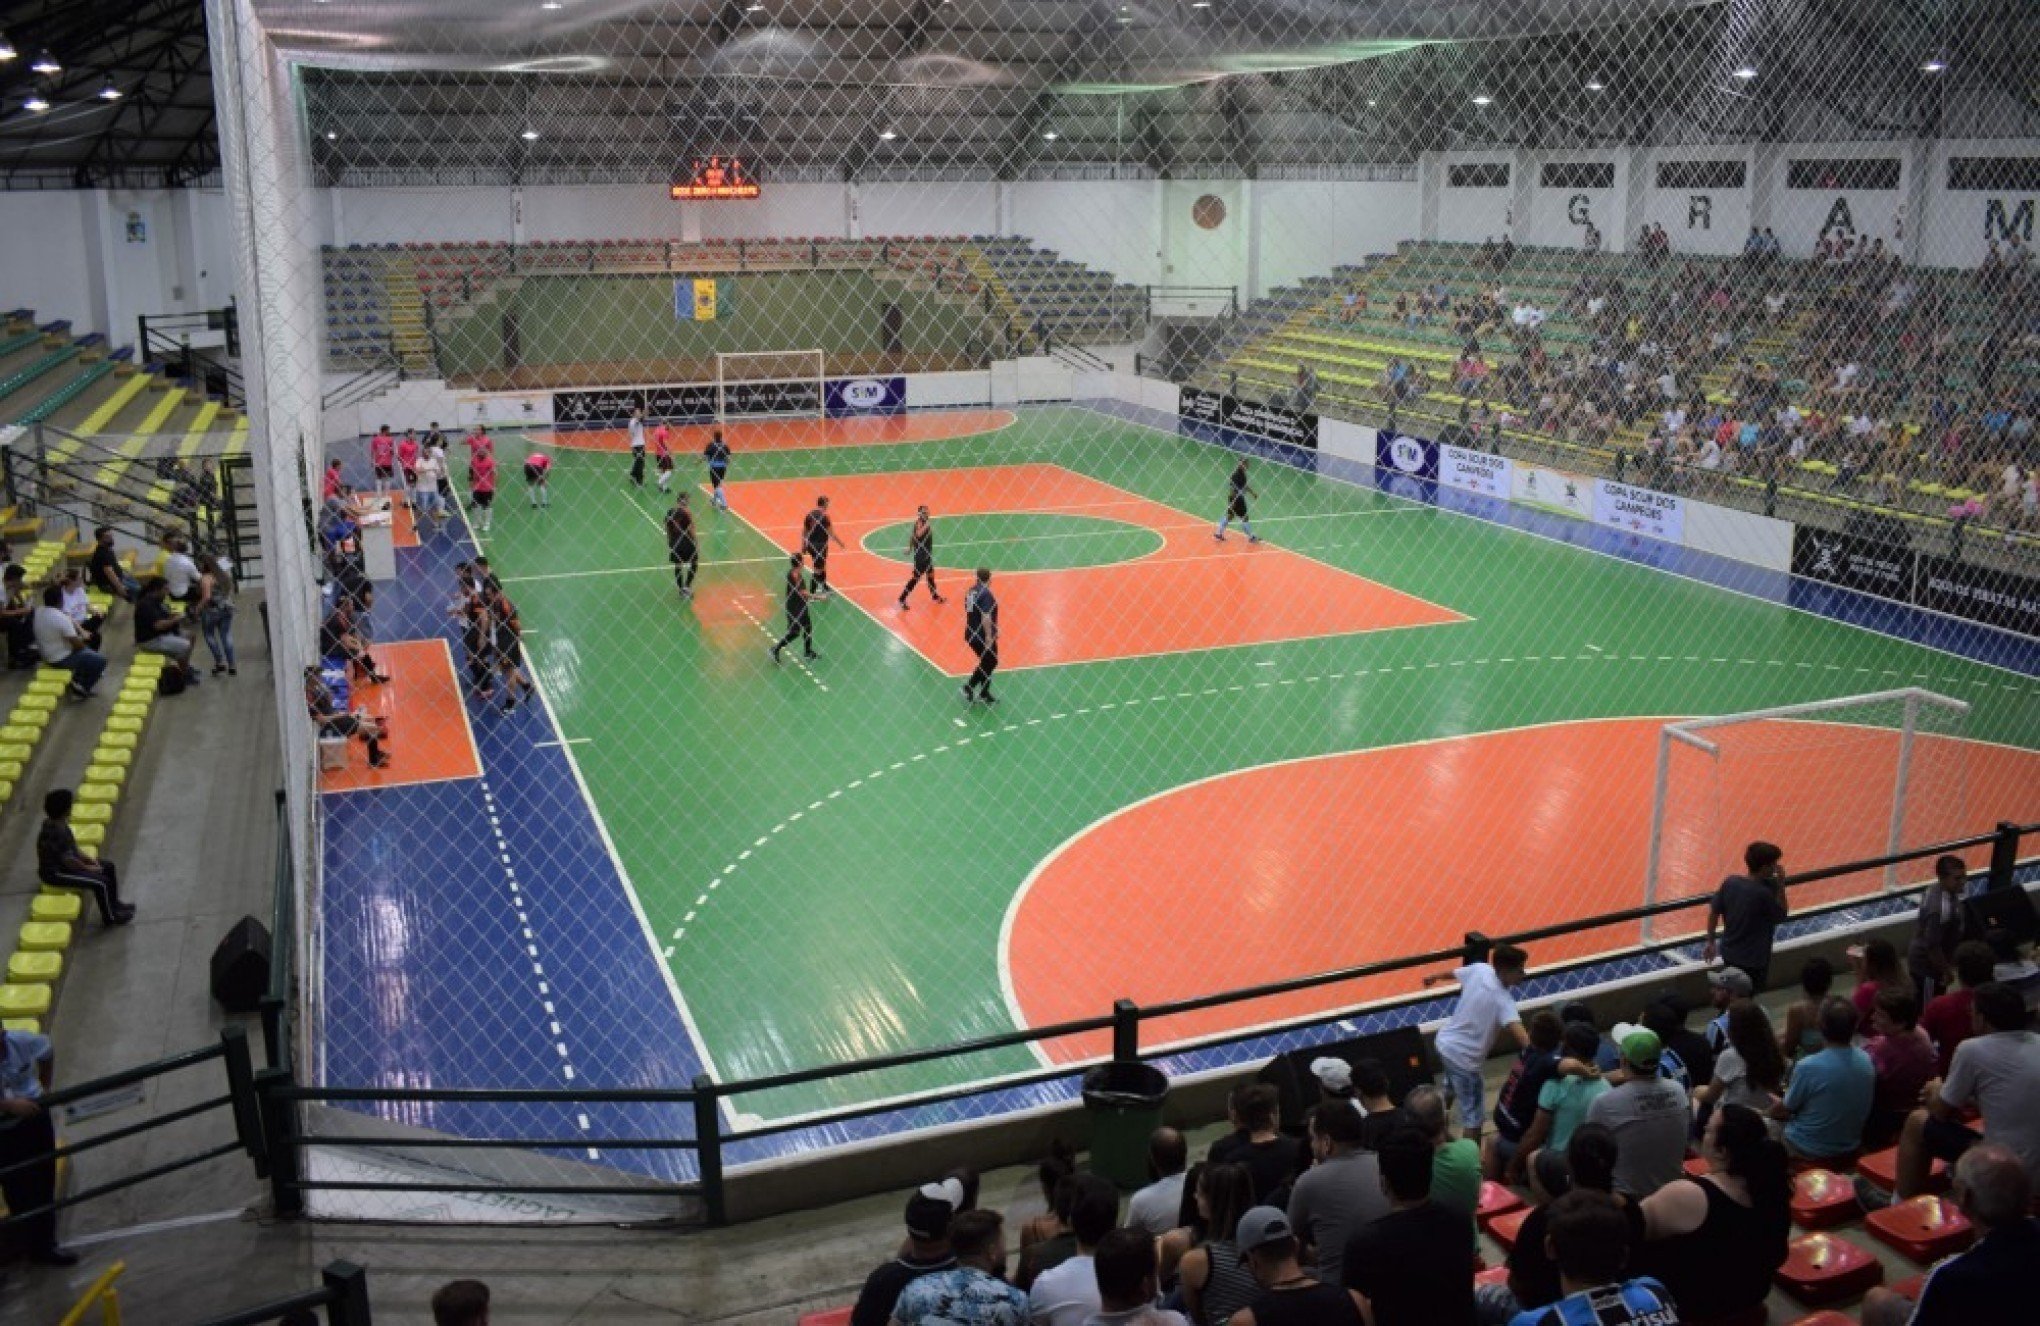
166, 338
100, 1294
31, 481
373, 380
343, 1293
1077, 357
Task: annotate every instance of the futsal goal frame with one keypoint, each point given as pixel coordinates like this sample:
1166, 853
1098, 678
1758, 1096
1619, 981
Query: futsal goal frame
781, 374
1911, 699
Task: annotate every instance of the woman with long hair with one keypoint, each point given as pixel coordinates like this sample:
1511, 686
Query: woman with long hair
215, 612
1878, 967
1750, 1070
1715, 1241
1214, 1275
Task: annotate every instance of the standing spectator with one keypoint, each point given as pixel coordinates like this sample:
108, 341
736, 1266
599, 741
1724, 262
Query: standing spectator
1801, 1035
1998, 1071
1877, 968
159, 628
17, 617
1255, 1141
215, 613
1828, 1099
62, 864
1484, 1011
62, 644
1414, 1266
1905, 1062
1586, 1242
1987, 1285
26, 1135
1290, 1294
1215, 1277
180, 572
461, 1303
1064, 1295
1154, 1207
1942, 924
1715, 1241
1516, 1105
1649, 1117
1126, 1271
1748, 909
1339, 1194
929, 1212
1750, 1070
1947, 1020
1455, 1162
974, 1292
1562, 1101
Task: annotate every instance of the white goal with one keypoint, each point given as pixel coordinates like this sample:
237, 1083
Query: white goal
1829, 781
770, 384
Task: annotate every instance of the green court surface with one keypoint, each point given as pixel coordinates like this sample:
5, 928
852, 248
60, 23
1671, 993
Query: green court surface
827, 854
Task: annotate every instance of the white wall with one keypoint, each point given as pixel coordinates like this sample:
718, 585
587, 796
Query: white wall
927, 209
780, 209
1310, 227
1960, 225
1107, 224
1558, 217
600, 212
1696, 220
1469, 216
423, 216
69, 255
42, 264
1799, 216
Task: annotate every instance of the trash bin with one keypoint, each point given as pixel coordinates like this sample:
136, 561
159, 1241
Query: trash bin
1124, 1101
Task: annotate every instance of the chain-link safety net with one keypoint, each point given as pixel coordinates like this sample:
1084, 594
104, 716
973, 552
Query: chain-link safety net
1375, 422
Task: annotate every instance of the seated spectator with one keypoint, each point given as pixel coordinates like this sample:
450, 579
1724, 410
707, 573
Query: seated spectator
1455, 1161
1055, 1171
62, 644
1606, 1057
1947, 1020
1750, 1070
1905, 1062
1725, 985
17, 617
929, 1212
975, 1289
1828, 1100
1714, 1241
2011, 967
1516, 1105
1271, 1158
1215, 1278
159, 628
1384, 1116
1289, 1293
1666, 1015
1563, 1099
1125, 1266
1335, 1080
1414, 1266
341, 636
1997, 1070
1649, 1116
1587, 1165
1067, 1293
62, 864
1154, 1207
104, 570
331, 717
1992, 1283
77, 605
1801, 1033
460, 1302
1877, 966
1585, 1239
1338, 1194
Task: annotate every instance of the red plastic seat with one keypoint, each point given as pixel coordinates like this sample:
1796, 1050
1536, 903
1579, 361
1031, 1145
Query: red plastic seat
833, 1317
1695, 1167
1826, 1268
1925, 1229
1911, 1287
1495, 1200
1826, 1318
1881, 1168
1822, 1199
1493, 1275
1504, 1228
1843, 1164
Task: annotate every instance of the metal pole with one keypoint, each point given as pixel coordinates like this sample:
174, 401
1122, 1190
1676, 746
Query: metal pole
349, 1284
241, 1087
708, 1136
1125, 1031
1648, 930
1898, 794
2004, 856
279, 1135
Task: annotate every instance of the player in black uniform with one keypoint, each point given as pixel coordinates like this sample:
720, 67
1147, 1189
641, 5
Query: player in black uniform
921, 547
681, 547
1237, 493
817, 532
717, 453
981, 633
797, 620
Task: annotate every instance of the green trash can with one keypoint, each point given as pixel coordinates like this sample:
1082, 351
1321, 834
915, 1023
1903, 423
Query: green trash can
1125, 1102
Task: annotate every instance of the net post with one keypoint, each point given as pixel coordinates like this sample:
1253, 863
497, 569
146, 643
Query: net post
1647, 930
2004, 856
1894, 840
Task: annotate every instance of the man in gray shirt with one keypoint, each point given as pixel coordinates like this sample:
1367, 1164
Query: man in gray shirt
1156, 1207
1341, 1193
1649, 1116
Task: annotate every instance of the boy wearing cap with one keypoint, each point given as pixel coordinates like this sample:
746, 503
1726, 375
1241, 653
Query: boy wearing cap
1649, 1115
1290, 1293
928, 1214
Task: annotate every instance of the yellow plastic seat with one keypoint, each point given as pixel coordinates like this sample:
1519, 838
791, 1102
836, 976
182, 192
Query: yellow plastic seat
16, 752
145, 663
90, 836
25, 1001
11, 770
111, 774
98, 794
37, 700
26, 968
117, 725
137, 692
92, 812
103, 755
63, 905
44, 676
52, 688
26, 727
6, 790
45, 936
29, 1026
130, 709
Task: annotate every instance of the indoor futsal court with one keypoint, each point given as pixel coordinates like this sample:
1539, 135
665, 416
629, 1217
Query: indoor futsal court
720, 863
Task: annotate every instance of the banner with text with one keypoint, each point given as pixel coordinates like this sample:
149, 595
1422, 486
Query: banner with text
1853, 563
1554, 491
1400, 453
505, 409
1474, 471
692, 402
1269, 421
849, 398
1639, 510
1980, 594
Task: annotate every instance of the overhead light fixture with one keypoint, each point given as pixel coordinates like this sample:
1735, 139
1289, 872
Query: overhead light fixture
108, 92
1372, 102
754, 9
552, 4
886, 135
1745, 73
1596, 85
1483, 100
47, 64
36, 102
332, 136
529, 135
1050, 136
1934, 66
1200, 4
7, 51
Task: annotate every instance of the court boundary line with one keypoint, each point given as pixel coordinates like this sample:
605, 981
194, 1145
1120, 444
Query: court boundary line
467, 725
1091, 407
1012, 417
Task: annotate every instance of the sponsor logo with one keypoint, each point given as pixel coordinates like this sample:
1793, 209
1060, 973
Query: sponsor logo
864, 393
1407, 454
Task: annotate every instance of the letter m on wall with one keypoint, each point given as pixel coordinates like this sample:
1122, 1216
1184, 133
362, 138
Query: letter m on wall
2000, 222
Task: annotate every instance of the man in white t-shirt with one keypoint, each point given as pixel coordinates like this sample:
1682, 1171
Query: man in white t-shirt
1485, 1011
179, 571
62, 644
1067, 1294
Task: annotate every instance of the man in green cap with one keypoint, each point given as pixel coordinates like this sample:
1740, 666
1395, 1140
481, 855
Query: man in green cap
1649, 1116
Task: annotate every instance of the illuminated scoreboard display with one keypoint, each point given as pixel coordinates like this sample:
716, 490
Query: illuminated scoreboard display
717, 178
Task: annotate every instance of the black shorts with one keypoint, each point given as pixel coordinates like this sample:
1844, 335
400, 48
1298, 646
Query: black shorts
924, 566
715, 477
819, 556
410, 477
665, 464
485, 499
509, 650
683, 552
533, 473
1238, 509
1947, 1140
385, 471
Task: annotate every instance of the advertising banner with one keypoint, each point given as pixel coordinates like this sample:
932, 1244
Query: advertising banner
1400, 453
532, 409
607, 407
852, 397
1554, 491
1474, 471
1269, 421
692, 402
1980, 594
1639, 510
1853, 563
1201, 407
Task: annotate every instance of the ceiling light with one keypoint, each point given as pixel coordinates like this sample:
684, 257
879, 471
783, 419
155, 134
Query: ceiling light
7, 51
886, 135
529, 135
1483, 100
1372, 102
108, 92
1934, 66
36, 103
332, 136
552, 4
47, 64
1200, 4
1745, 73
754, 9
1050, 136
1595, 85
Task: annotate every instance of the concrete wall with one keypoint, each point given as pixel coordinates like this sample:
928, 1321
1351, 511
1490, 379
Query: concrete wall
73, 255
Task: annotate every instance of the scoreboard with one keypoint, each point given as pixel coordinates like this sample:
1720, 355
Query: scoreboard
715, 179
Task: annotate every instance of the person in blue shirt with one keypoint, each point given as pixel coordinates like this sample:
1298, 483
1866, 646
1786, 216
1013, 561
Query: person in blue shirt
1588, 1236
26, 1135
717, 453
981, 633
1828, 1100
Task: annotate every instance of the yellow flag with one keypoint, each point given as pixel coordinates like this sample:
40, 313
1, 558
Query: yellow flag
704, 301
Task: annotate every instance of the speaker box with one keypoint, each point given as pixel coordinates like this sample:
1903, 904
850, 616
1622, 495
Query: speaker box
240, 967
2003, 909
1401, 1053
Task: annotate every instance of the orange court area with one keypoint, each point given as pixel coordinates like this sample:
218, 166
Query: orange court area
429, 739
1189, 594
794, 434
1243, 879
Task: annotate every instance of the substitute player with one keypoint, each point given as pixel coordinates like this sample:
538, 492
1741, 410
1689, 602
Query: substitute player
717, 453
817, 532
662, 455
482, 486
408, 452
538, 478
921, 547
637, 447
1237, 492
798, 621
681, 547
382, 457
981, 633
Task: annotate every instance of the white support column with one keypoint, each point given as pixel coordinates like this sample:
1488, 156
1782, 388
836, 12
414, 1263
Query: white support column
1894, 840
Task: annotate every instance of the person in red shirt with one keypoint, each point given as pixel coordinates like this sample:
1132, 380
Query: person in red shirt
537, 471
407, 457
662, 454
382, 456
482, 486
333, 487
1904, 1059
1947, 1021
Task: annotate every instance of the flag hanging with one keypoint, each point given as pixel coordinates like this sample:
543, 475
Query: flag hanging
694, 300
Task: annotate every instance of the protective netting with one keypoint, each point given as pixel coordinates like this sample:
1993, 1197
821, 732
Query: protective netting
1667, 280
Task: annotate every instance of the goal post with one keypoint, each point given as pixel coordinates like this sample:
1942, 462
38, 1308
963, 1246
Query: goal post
1829, 780
771, 384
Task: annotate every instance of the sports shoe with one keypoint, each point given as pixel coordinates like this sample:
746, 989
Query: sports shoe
1218, 538
53, 1255
381, 761
1253, 538
968, 698
510, 705
904, 607
810, 654
121, 916
938, 598
990, 698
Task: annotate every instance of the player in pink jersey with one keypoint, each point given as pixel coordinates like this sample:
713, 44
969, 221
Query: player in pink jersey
662, 453
407, 457
382, 455
482, 485
537, 474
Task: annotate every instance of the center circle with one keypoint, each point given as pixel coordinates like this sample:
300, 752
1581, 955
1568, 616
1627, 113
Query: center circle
1021, 541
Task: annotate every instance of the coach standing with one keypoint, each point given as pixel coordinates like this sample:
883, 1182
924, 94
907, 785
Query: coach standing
981, 633
27, 1135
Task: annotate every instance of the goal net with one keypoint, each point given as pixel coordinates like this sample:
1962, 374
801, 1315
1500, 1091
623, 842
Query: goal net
1829, 781
770, 384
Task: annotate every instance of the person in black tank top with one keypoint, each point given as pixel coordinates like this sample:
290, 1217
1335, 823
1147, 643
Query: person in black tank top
797, 618
921, 547
1290, 1295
